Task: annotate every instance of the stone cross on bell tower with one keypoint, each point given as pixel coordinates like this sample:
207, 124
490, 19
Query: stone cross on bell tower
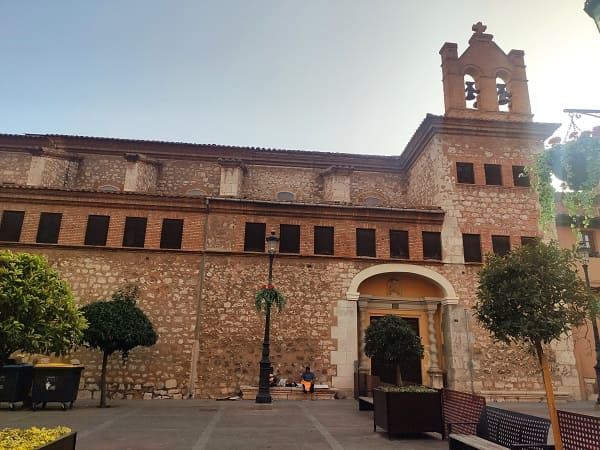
484, 82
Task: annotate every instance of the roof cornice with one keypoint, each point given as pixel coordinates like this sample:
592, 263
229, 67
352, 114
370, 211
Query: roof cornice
433, 125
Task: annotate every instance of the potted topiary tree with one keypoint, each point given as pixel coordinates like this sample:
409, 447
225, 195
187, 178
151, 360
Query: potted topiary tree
117, 325
37, 315
401, 409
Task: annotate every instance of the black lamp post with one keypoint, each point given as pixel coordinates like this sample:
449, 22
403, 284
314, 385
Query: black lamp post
264, 392
592, 7
584, 253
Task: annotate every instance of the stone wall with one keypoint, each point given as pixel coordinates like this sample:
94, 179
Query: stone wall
264, 182
96, 170
55, 172
14, 166
178, 177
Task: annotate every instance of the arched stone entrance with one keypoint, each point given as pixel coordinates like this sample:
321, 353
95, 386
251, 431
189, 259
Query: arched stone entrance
404, 289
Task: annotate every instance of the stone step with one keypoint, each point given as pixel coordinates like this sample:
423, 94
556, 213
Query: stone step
290, 393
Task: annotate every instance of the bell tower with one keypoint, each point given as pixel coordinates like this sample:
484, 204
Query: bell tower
484, 82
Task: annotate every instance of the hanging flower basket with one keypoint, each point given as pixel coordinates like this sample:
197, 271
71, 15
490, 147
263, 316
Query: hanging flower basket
267, 297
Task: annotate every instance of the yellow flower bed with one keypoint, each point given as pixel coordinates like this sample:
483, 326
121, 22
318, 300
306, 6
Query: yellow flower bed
30, 439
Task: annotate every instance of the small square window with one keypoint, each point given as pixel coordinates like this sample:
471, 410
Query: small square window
365, 242
97, 230
289, 238
48, 228
399, 244
254, 237
10, 226
520, 176
171, 233
135, 231
432, 245
493, 174
465, 173
587, 236
472, 247
323, 240
526, 240
501, 245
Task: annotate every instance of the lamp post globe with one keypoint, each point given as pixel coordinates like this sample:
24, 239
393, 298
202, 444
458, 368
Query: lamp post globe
583, 251
264, 389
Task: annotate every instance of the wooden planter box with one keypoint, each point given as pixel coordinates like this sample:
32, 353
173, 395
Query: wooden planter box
408, 412
66, 442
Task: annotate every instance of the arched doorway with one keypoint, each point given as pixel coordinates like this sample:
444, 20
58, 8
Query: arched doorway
407, 290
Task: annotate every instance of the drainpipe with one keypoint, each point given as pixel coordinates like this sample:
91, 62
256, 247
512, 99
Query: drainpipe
199, 292
470, 351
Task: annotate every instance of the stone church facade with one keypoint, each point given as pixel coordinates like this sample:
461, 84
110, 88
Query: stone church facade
361, 236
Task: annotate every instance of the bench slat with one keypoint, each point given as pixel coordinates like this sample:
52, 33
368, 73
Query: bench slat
475, 442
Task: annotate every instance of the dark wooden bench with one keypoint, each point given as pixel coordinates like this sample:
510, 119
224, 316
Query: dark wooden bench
579, 431
365, 403
499, 429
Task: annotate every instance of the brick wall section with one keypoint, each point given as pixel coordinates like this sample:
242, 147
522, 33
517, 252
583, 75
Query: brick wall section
14, 166
177, 177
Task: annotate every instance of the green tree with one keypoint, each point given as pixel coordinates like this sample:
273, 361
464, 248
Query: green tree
37, 309
533, 295
391, 339
117, 325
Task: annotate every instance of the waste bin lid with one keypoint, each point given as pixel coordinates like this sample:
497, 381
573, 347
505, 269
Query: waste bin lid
59, 365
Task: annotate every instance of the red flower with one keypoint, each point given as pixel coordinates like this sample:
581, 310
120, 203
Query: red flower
264, 286
271, 286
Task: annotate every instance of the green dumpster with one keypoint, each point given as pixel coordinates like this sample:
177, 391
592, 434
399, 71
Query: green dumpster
15, 383
55, 382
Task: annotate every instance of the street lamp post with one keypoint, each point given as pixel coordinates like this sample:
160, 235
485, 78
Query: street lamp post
264, 391
584, 253
592, 7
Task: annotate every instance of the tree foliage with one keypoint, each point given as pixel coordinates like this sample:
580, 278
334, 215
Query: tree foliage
391, 339
577, 164
118, 325
37, 309
267, 297
533, 294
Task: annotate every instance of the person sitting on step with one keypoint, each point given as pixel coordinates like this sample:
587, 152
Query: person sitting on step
307, 380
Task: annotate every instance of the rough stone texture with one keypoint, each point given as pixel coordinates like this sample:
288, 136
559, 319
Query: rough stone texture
264, 182
96, 170
14, 166
179, 177
55, 172
389, 188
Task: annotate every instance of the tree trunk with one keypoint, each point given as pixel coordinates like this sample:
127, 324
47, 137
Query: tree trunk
105, 356
549, 395
399, 381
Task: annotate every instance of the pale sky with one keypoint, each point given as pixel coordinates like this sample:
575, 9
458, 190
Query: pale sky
354, 76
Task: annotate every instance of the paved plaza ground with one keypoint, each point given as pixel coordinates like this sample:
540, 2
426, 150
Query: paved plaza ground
210, 424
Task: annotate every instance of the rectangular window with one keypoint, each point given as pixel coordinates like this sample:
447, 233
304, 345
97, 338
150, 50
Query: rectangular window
254, 237
171, 233
501, 245
135, 231
587, 236
432, 245
493, 174
465, 173
48, 228
520, 176
399, 244
289, 238
472, 247
10, 226
365, 242
323, 241
526, 240
97, 230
